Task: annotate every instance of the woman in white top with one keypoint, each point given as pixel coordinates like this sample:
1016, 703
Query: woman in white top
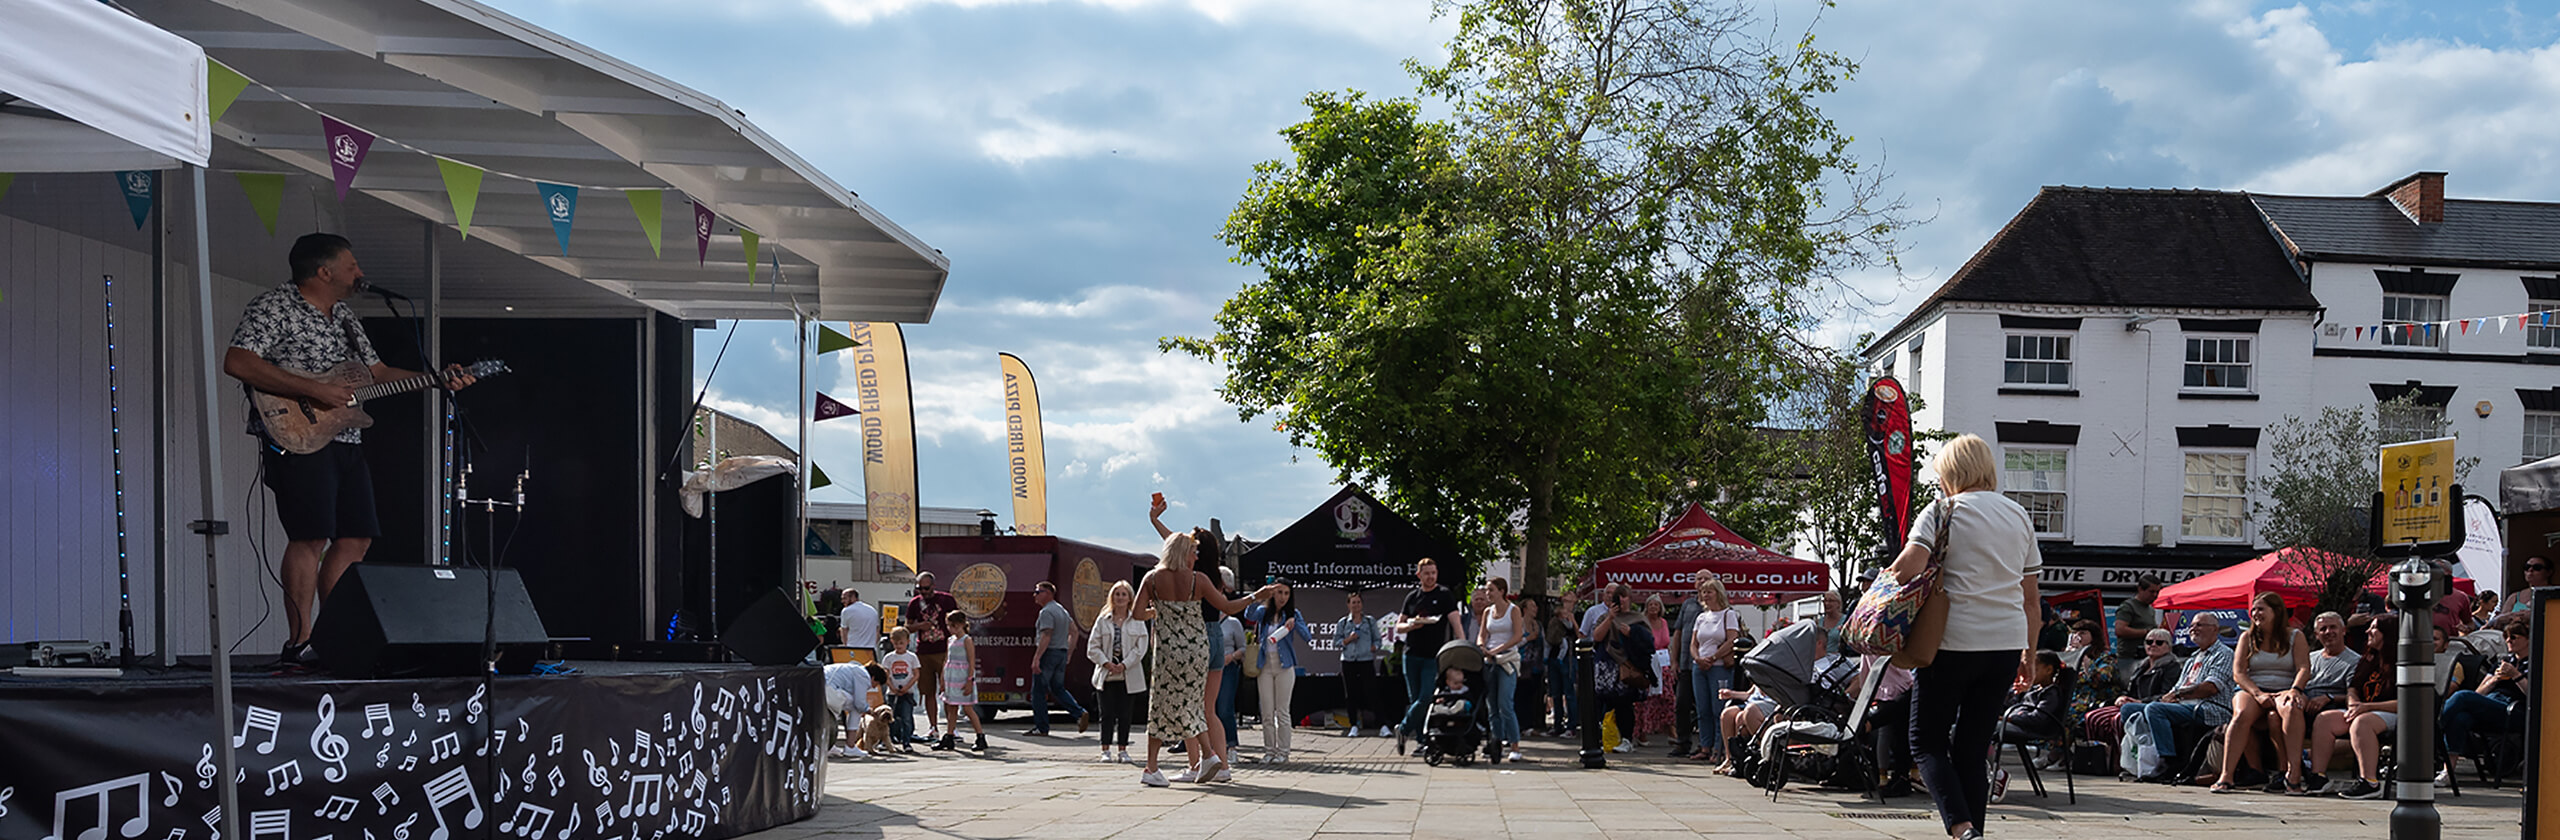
1711, 663
1499, 633
1118, 648
1988, 578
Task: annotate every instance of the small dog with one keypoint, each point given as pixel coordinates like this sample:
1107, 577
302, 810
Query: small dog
873, 735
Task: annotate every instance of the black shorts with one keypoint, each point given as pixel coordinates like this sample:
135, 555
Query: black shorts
324, 495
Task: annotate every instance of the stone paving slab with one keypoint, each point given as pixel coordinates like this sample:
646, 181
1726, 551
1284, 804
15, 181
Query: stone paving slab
1340, 788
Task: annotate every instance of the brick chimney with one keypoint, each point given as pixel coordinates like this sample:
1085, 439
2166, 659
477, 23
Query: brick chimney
2420, 196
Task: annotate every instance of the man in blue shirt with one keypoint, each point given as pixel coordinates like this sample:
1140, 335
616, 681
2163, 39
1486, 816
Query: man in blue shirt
2202, 696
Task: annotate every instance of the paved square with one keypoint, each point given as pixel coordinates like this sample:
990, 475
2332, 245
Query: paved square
1054, 789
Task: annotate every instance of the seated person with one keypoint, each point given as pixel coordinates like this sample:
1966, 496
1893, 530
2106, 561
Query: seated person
2372, 712
1452, 697
2273, 660
2487, 707
2145, 680
2332, 667
2037, 711
1739, 722
2202, 697
1892, 717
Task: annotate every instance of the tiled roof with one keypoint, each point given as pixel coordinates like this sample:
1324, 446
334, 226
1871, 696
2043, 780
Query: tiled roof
2488, 234
2083, 246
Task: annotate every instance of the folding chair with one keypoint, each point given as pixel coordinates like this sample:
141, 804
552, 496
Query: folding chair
2061, 742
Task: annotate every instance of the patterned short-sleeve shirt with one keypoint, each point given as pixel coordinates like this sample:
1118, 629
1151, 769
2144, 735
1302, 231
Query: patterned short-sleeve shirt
287, 331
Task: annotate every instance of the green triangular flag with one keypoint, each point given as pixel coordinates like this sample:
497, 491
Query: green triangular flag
266, 195
462, 185
752, 240
650, 206
830, 341
7, 178
818, 477
223, 86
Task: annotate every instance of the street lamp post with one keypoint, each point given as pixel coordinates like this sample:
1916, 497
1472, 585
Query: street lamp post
2415, 817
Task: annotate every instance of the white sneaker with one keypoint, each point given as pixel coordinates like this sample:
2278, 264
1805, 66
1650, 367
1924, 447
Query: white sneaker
1153, 779
1353, 732
1106, 755
1223, 775
1513, 755
1625, 747
1386, 732
1122, 756
1187, 776
2444, 778
1251, 759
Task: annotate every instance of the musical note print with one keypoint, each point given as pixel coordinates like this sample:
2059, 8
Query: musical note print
444, 715
529, 821
327, 745
640, 748
205, 771
446, 746
472, 710
615, 752
401, 831
726, 706
179, 833
277, 824
283, 777
261, 719
523, 733
498, 738
604, 814
693, 823
782, 723
646, 790
383, 798
170, 801
408, 763
699, 722
338, 808
418, 705
595, 775
383, 758
557, 744
413, 739
5, 793
377, 715
501, 795
573, 825
667, 722
104, 793
556, 778
453, 786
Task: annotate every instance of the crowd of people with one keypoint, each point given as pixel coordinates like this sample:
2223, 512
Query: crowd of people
2271, 708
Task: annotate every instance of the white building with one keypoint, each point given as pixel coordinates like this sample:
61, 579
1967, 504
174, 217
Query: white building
2124, 350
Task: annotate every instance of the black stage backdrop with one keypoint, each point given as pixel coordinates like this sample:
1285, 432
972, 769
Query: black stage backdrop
1353, 542
690, 754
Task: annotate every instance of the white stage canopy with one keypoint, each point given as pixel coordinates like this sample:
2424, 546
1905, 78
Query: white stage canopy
88, 88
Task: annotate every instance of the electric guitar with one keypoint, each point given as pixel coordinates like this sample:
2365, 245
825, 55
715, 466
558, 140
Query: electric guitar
302, 426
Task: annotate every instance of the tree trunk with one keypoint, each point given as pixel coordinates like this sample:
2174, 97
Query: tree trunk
1542, 509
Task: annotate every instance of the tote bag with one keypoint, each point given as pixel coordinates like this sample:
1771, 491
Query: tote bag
1905, 621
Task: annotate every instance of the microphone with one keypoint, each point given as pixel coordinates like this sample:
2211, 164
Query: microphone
368, 287
520, 479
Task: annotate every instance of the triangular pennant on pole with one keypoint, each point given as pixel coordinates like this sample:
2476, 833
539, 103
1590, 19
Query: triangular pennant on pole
751, 240
266, 195
702, 219
651, 207
462, 186
830, 341
829, 409
560, 204
347, 146
223, 86
137, 193
818, 478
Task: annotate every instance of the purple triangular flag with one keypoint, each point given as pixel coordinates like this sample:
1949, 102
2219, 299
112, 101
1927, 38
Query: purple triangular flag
829, 409
347, 146
702, 219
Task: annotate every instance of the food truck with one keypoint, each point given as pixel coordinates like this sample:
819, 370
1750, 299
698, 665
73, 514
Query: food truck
991, 577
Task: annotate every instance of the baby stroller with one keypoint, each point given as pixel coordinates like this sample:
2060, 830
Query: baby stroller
1814, 733
1459, 723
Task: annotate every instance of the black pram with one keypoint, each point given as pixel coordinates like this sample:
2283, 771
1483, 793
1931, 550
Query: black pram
1459, 720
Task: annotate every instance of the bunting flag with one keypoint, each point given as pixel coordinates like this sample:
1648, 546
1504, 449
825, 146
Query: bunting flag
830, 341
137, 193
751, 240
223, 86
702, 219
1026, 461
829, 409
812, 544
266, 195
818, 477
651, 207
888, 439
560, 203
7, 178
462, 187
347, 146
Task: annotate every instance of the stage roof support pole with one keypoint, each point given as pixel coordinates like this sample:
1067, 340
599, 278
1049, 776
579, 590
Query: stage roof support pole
167, 656
438, 442
800, 536
212, 526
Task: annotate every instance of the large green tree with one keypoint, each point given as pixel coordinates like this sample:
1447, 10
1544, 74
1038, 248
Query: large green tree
1544, 321
2317, 490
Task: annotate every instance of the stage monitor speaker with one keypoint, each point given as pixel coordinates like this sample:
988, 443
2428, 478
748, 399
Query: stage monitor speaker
770, 631
387, 619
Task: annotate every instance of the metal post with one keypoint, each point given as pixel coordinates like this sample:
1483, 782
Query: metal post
800, 535
211, 525
1584, 656
2415, 818
161, 650
438, 543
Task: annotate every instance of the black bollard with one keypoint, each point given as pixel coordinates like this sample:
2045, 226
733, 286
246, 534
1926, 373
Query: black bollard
1593, 758
2415, 817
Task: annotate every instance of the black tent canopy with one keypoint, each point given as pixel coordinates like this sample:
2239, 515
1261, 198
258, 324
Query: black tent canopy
1352, 541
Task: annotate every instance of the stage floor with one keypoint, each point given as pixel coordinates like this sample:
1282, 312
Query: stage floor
620, 749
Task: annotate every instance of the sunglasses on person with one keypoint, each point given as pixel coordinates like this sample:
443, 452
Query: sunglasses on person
2150, 642
2537, 567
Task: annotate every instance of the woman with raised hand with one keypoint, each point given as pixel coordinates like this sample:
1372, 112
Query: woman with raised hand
1172, 599
1988, 578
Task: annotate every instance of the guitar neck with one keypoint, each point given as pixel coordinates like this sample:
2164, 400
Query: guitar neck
400, 386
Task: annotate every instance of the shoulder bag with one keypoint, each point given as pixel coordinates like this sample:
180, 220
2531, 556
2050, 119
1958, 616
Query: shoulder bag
1905, 621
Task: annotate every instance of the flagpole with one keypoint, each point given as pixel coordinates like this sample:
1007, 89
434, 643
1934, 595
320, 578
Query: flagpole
800, 338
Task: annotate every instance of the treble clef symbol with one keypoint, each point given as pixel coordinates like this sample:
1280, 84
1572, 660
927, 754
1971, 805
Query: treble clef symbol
205, 770
329, 746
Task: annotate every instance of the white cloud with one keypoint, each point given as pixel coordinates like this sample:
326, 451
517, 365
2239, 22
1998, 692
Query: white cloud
1359, 18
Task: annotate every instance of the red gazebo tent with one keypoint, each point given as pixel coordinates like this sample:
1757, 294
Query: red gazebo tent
2288, 572
1667, 558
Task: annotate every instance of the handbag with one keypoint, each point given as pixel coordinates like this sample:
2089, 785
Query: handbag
1252, 661
1905, 621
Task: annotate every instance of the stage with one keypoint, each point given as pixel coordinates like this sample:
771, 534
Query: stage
617, 750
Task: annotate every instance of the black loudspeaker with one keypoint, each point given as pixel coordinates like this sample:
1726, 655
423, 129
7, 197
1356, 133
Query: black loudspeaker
770, 631
386, 619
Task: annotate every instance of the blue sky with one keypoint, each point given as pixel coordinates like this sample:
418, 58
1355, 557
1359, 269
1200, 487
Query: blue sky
1075, 159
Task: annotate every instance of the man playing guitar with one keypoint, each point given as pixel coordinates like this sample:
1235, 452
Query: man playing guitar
324, 499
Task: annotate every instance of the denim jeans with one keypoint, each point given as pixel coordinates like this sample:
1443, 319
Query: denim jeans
2161, 720
2468, 711
902, 718
1227, 680
1954, 704
1506, 720
1703, 684
1052, 679
1568, 705
1418, 674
